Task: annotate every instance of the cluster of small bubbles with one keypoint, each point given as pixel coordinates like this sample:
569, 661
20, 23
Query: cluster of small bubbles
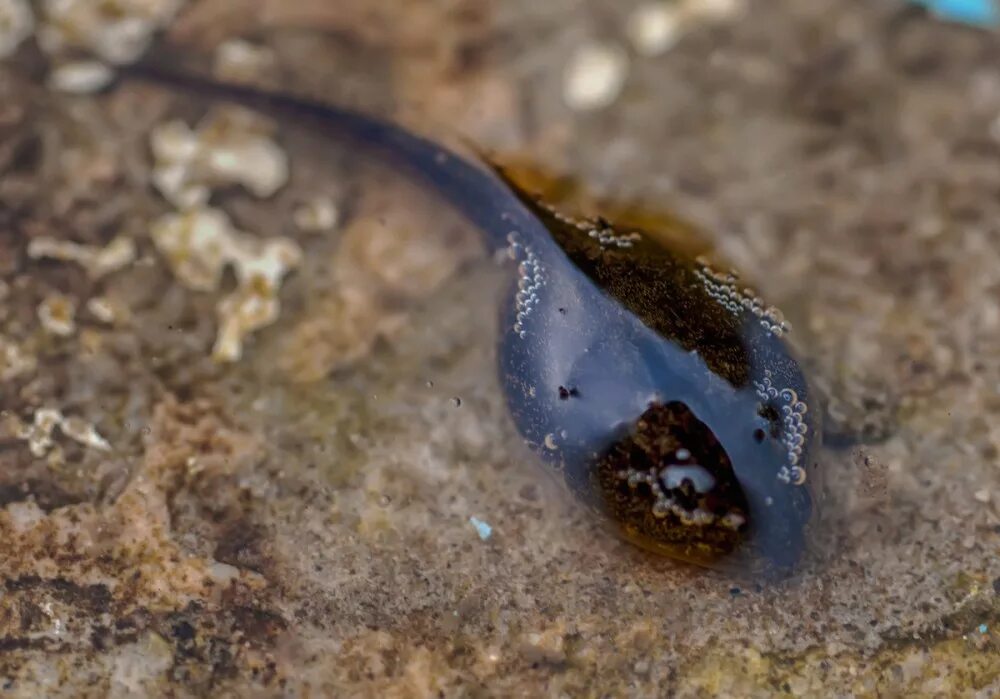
530, 279
600, 230
660, 481
568, 220
606, 236
723, 287
794, 427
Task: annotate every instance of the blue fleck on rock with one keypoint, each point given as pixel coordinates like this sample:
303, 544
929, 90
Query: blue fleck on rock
482, 528
983, 13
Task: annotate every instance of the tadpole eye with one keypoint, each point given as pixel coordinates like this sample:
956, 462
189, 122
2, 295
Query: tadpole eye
759, 435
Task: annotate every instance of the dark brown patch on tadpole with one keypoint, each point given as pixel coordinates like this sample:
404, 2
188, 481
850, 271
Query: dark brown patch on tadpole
652, 278
670, 485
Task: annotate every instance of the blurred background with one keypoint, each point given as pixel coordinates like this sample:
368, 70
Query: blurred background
252, 442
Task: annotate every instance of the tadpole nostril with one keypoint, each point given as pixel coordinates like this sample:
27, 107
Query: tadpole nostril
567, 393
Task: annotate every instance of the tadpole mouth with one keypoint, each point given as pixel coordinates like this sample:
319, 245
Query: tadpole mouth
670, 487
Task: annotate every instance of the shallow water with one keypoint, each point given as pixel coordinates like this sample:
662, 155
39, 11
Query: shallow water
303, 520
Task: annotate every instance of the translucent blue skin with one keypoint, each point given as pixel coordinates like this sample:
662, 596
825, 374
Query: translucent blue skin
579, 336
582, 332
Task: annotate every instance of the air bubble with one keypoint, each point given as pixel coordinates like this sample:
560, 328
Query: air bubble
722, 288
795, 429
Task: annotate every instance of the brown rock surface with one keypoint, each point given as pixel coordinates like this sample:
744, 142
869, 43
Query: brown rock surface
298, 523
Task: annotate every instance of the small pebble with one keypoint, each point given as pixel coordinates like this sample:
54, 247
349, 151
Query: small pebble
316, 215
484, 530
714, 9
199, 244
595, 76
14, 360
39, 433
16, 25
81, 77
228, 146
98, 261
57, 314
115, 31
239, 60
654, 27
982, 495
84, 433
102, 309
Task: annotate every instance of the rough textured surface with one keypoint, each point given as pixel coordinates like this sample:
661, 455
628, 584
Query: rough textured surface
298, 523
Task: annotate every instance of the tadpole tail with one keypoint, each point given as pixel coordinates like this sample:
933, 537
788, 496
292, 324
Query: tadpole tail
474, 190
